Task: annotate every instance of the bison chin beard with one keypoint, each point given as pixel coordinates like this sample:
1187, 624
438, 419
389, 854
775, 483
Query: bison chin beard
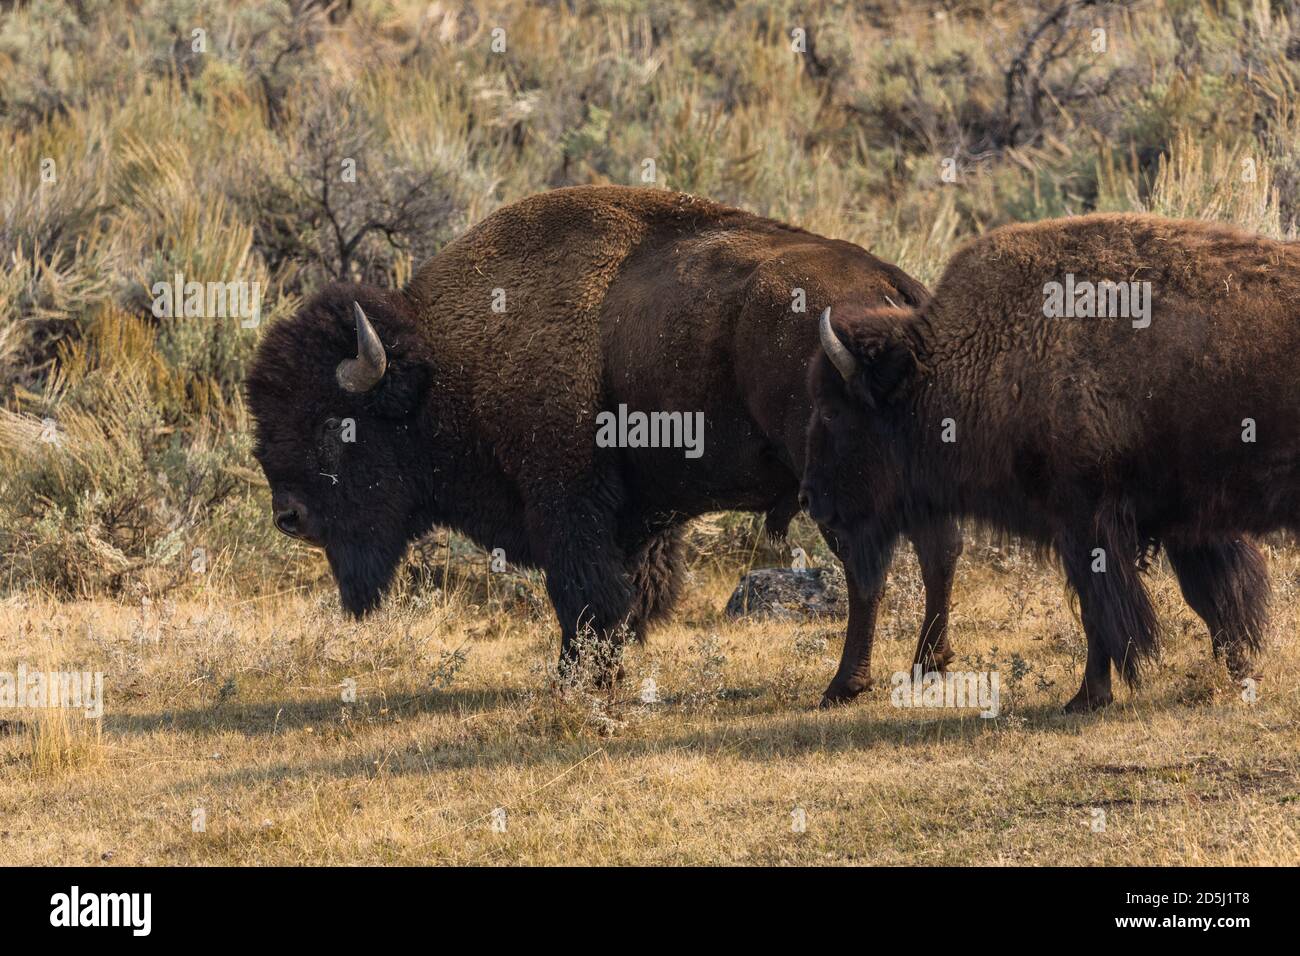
364, 573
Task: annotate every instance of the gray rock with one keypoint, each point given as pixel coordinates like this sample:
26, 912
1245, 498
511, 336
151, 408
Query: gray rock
789, 594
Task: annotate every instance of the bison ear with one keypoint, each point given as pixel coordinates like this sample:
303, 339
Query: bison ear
886, 364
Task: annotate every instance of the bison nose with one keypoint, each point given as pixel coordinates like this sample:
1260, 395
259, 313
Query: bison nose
287, 521
290, 515
816, 505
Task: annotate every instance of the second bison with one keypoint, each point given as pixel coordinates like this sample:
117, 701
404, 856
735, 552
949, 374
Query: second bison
1102, 385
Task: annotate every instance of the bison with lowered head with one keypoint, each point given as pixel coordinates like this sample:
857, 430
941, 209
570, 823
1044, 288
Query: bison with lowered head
471, 397
1100, 385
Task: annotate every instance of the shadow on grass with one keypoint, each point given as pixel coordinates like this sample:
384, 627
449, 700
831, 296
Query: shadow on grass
274, 716
792, 734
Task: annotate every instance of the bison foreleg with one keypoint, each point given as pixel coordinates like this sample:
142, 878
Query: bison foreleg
1226, 583
865, 590
587, 580
938, 546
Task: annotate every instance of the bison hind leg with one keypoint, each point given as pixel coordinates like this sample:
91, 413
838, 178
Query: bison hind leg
1226, 583
655, 568
1101, 562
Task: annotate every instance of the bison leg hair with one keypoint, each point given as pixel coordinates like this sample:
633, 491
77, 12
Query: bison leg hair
938, 546
1120, 624
1226, 583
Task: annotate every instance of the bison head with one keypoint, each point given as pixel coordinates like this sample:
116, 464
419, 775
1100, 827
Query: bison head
858, 385
337, 393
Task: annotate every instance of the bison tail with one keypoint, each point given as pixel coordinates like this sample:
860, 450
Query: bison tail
655, 569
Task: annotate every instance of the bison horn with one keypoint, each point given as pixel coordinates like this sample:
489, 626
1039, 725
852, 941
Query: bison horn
363, 373
835, 350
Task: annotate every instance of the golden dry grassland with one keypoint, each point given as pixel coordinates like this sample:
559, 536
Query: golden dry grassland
235, 708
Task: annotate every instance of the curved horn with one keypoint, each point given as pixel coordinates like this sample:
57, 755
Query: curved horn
363, 373
835, 350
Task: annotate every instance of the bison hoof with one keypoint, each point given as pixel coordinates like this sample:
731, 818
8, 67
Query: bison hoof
1241, 668
1085, 702
935, 663
841, 692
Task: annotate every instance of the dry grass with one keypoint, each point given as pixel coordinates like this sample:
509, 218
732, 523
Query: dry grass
236, 708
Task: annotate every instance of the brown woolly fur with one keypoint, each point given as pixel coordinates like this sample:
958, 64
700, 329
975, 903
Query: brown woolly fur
1098, 435
504, 348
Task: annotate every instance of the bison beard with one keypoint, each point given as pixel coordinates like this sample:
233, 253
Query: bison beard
363, 572
1097, 438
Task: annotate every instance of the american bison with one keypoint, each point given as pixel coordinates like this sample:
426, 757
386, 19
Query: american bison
474, 398
1102, 385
